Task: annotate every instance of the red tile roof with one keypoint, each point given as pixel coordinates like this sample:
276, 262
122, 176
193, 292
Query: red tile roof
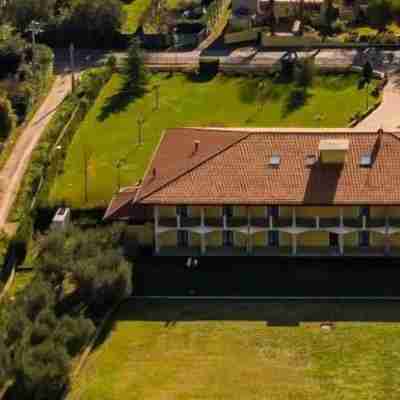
232, 167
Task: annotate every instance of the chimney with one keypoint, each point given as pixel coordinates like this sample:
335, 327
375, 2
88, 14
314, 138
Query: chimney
333, 151
196, 146
154, 173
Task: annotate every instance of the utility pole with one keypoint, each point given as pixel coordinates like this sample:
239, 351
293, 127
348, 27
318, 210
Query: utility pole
72, 65
35, 28
119, 164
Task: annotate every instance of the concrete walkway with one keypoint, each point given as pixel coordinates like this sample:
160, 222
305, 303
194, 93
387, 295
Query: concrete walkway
387, 115
14, 170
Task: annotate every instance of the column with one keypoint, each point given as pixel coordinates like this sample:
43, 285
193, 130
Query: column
294, 244
156, 242
341, 244
341, 217
294, 217
248, 230
203, 233
387, 237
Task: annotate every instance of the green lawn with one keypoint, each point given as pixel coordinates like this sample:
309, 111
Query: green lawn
110, 130
134, 11
249, 351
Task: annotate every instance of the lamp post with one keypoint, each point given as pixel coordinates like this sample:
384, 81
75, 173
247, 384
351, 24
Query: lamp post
35, 28
157, 96
140, 123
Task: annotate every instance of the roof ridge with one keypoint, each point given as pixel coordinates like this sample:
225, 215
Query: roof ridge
201, 162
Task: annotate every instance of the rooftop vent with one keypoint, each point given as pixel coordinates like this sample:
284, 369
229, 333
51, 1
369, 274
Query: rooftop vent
275, 160
333, 151
196, 146
366, 160
311, 159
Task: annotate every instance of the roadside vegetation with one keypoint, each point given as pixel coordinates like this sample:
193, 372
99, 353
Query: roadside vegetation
49, 320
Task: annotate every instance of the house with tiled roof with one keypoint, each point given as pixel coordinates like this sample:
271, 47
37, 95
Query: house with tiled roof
268, 192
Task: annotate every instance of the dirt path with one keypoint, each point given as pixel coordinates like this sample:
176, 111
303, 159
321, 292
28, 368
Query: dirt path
13, 171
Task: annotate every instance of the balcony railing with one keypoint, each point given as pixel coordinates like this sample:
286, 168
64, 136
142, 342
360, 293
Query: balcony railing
394, 222
306, 222
260, 222
214, 222
376, 222
168, 222
353, 222
329, 222
282, 222
190, 222
235, 222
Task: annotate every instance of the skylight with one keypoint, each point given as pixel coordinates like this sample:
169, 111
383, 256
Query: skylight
366, 160
275, 160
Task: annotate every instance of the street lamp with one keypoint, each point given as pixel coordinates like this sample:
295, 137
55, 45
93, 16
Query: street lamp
35, 28
140, 122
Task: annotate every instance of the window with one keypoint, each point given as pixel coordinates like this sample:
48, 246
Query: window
273, 211
275, 160
363, 239
182, 211
273, 239
227, 211
366, 160
333, 240
227, 238
183, 239
364, 211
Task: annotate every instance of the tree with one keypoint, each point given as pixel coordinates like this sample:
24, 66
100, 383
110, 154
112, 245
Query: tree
7, 117
44, 371
74, 333
367, 75
135, 74
22, 12
379, 13
106, 19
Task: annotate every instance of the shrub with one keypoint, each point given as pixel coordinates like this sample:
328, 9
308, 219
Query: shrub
7, 117
74, 333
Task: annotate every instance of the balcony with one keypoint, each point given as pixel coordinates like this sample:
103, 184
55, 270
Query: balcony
282, 222
394, 222
190, 222
353, 222
329, 223
376, 222
214, 222
306, 222
260, 222
235, 222
167, 222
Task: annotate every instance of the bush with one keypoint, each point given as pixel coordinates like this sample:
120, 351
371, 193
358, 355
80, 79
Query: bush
7, 117
74, 333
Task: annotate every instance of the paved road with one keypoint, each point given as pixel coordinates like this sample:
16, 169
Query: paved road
13, 171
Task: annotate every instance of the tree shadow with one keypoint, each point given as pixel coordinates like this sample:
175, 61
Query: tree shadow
295, 100
120, 101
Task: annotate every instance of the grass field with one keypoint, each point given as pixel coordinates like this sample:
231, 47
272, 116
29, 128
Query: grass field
110, 131
134, 10
252, 351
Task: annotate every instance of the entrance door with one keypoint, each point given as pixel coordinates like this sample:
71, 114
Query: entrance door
183, 239
333, 240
